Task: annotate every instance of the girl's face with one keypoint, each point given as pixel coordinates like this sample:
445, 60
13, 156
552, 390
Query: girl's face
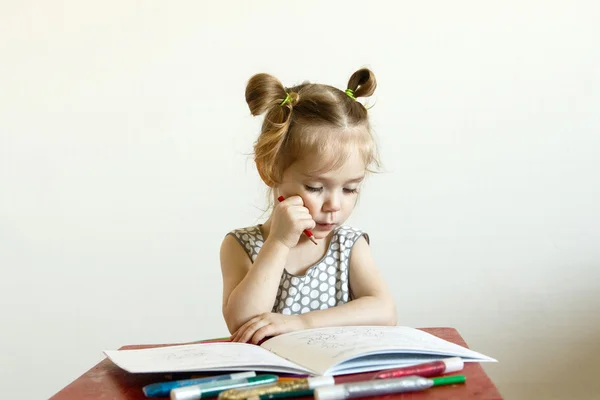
329, 196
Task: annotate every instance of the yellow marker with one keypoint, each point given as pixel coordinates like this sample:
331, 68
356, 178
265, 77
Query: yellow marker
281, 386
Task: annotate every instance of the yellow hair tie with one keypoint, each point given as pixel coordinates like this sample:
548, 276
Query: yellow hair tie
288, 98
350, 94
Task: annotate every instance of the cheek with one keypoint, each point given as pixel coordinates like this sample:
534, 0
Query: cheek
348, 203
313, 205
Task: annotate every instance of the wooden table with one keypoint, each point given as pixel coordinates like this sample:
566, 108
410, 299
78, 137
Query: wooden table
107, 381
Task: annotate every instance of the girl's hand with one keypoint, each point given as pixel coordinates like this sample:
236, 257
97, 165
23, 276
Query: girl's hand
290, 219
268, 324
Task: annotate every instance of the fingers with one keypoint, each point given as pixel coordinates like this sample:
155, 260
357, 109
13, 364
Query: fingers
293, 201
296, 212
242, 329
295, 209
290, 218
303, 220
308, 224
299, 212
267, 325
245, 338
260, 334
247, 331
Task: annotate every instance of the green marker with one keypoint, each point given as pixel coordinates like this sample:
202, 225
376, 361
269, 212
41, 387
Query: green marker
212, 389
378, 387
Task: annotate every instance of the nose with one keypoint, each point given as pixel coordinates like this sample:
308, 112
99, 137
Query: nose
332, 203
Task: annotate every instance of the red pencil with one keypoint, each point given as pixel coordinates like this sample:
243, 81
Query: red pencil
307, 232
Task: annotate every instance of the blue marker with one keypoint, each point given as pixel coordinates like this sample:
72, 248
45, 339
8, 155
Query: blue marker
212, 389
163, 389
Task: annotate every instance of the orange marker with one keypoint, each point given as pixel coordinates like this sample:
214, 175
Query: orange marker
307, 232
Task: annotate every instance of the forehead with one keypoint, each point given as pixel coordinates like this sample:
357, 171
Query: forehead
311, 167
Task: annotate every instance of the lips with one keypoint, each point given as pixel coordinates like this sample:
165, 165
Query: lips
325, 226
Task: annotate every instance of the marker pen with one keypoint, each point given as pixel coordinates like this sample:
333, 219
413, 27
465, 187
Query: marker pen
378, 387
212, 389
279, 388
433, 368
162, 389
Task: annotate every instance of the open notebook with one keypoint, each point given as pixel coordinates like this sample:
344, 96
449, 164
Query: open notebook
322, 351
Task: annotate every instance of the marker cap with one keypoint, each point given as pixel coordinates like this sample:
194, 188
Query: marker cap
453, 364
318, 381
330, 392
186, 393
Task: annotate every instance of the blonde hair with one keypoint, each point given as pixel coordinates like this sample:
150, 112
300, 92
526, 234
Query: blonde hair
310, 119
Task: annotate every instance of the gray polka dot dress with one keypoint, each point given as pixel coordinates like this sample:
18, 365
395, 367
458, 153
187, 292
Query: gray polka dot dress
325, 283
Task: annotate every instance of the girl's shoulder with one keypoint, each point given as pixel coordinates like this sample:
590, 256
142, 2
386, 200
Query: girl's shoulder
250, 238
253, 232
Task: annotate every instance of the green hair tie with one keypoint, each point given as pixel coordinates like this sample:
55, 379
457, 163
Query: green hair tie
287, 99
350, 94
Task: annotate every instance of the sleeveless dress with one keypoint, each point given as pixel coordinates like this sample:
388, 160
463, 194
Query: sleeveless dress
325, 283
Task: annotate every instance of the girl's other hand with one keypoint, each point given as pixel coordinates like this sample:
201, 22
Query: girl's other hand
267, 325
289, 219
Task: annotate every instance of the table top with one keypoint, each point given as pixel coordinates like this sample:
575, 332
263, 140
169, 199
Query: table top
108, 381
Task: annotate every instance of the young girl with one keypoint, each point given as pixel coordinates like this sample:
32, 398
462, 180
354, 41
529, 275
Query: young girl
314, 150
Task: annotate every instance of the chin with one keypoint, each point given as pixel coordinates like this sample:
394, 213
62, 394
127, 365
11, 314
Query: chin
322, 232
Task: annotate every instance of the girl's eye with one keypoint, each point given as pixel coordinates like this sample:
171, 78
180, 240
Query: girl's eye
350, 191
313, 189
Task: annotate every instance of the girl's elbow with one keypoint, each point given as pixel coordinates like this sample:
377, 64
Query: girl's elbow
391, 317
230, 320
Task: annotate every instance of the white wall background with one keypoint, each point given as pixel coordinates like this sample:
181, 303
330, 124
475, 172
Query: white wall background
123, 162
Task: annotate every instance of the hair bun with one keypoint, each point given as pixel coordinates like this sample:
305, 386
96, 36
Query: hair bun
362, 83
263, 92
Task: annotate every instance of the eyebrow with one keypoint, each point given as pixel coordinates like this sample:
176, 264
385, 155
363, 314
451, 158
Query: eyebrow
353, 180
358, 179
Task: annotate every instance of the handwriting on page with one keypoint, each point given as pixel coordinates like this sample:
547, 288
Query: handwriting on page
324, 347
356, 336
195, 357
341, 338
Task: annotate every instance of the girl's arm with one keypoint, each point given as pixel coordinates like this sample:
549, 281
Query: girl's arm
250, 289
372, 302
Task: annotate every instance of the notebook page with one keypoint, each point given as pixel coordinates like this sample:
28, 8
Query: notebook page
200, 357
321, 349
